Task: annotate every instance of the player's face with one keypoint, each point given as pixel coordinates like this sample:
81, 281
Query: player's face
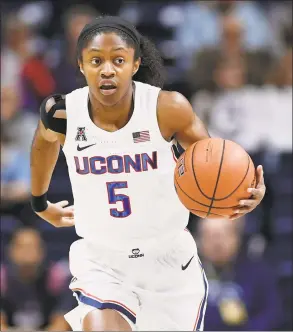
108, 66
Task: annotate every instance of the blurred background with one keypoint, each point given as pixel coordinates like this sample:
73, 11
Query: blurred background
233, 61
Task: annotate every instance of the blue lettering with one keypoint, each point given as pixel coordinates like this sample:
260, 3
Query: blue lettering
111, 168
136, 165
85, 169
116, 164
146, 159
94, 169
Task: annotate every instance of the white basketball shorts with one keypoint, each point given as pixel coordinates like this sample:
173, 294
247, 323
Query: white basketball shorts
163, 290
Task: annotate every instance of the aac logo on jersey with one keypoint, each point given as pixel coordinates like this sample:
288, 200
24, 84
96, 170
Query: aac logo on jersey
80, 135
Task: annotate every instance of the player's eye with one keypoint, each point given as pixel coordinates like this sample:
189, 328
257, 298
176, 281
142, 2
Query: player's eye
119, 61
95, 61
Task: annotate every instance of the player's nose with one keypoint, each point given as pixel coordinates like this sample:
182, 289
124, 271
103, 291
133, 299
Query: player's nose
107, 71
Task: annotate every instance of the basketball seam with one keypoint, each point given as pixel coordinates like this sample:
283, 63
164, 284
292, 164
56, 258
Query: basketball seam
206, 205
222, 198
194, 176
218, 178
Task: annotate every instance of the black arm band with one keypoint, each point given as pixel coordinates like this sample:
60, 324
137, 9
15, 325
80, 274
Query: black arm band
39, 203
49, 121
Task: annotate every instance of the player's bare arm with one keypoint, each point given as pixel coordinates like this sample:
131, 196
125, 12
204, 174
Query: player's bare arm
44, 154
178, 120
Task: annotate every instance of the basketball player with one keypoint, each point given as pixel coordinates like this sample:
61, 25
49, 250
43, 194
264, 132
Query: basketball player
136, 266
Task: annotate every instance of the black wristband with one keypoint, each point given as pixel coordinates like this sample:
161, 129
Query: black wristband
39, 203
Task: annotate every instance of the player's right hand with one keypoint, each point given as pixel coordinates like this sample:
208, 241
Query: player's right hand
58, 214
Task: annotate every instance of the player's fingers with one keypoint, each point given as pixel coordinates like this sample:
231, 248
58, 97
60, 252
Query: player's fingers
236, 216
259, 176
257, 193
67, 213
246, 203
62, 203
243, 210
67, 222
68, 219
70, 207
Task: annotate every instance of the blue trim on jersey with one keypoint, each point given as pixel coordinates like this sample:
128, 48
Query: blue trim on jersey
104, 305
204, 303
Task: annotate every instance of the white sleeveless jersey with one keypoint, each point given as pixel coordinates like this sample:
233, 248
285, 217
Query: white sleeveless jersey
122, 181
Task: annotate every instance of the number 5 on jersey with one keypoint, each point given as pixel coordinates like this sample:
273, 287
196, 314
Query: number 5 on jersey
114, 198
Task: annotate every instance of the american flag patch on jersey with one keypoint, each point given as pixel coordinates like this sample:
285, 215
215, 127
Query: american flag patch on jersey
141, 136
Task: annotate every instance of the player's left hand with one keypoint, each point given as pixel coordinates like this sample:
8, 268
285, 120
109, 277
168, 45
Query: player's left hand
257, 194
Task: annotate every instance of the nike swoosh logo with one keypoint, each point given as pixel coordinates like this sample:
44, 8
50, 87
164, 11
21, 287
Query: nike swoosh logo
80, 148
184, 267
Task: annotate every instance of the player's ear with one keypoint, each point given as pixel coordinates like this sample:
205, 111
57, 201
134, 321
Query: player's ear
80, 67
136, 66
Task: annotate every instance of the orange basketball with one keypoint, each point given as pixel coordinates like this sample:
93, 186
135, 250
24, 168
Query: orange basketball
212, 176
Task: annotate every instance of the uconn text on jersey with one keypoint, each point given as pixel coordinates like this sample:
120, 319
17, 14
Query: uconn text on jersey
116, 164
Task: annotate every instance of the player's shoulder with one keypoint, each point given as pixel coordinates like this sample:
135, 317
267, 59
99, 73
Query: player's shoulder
172, 100
174, 108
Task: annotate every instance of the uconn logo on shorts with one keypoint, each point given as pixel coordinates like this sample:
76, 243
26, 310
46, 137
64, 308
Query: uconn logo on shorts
136, 253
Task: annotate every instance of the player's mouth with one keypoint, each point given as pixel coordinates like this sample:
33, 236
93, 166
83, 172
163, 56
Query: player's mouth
107, 87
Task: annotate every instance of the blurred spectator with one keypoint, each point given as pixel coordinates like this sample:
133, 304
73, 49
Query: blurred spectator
22, 65
15, 181
15, 50
281, 74
201, 26
243, 293
228, 75
16, 124
30, 287
278, 101
62, 55
231, 46
280, 18
233, 111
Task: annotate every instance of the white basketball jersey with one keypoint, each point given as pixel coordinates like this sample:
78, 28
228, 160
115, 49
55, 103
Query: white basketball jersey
122, 181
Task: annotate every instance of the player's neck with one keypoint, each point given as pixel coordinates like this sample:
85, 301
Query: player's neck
118, 114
